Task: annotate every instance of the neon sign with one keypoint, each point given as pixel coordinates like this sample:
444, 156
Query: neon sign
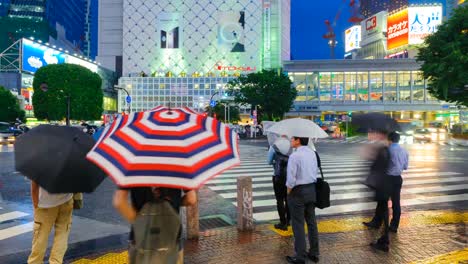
235, 68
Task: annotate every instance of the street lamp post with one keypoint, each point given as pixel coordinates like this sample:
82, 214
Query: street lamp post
44, 87
116, 87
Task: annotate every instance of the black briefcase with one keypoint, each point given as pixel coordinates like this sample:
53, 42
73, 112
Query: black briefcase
322, 188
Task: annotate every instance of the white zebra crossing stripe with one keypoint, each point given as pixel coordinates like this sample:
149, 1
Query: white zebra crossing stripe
340, 165
268, 178
354, 195
357, 195
327, 175
11, 216
345, 187
357, 207
16, 230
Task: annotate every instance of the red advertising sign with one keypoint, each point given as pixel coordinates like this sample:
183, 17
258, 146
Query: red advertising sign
371, 23
397, 29
25, 93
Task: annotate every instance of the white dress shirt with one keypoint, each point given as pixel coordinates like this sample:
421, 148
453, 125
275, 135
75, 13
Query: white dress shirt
302, 167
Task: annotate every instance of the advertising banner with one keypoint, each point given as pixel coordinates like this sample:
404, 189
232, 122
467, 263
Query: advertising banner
372, 28
397, 29
423, 21
36, 56
231, 27
352, 38
169, 25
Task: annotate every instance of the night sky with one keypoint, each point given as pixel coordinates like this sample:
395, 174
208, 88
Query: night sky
308, 26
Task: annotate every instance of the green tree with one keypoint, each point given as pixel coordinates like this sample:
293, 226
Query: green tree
234, 113
9, 107
63, 80
272, 92
445, 59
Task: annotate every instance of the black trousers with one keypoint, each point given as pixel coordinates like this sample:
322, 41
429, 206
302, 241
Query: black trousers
281, 192
395, 183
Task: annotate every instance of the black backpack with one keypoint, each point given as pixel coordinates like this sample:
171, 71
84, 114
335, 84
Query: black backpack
322, 188
280, 166
156, 229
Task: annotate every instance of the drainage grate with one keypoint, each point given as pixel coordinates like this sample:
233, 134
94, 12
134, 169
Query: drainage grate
213, 222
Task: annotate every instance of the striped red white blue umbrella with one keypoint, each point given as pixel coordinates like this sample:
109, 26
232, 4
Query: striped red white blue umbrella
166, 147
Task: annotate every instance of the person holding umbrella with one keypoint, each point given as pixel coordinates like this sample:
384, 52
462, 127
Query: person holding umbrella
278, 156
152, 156
50, 210
139, 196
53, 158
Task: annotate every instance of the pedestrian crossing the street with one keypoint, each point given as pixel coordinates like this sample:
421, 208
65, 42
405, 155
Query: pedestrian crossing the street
345, 174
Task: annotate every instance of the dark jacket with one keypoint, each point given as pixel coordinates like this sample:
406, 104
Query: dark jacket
378, 178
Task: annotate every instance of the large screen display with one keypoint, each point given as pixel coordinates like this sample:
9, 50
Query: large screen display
397, 29
36, 55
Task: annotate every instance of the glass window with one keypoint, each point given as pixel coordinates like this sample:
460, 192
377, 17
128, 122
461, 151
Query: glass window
312, 86
390, 86
337, 86
300, 84
325, 85
418, 86
350, 86
404, 84
376, 86
362, 86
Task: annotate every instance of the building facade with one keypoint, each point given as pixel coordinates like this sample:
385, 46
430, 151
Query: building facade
58, 22
335, 87
91, 29
110, 34
189, 50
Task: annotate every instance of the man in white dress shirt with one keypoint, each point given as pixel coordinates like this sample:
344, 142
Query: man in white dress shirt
301, 178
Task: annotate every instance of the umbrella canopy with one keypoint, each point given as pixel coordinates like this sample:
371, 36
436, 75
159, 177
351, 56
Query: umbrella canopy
165, 147
375, 122
283, 145
55, 158
298, 127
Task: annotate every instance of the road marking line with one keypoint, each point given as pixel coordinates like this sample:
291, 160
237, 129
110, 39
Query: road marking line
344, 187
16, 230
357, 195
331, 178
11, 215
357, 207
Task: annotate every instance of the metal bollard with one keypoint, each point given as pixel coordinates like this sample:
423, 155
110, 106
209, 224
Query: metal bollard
193, 221
244, 204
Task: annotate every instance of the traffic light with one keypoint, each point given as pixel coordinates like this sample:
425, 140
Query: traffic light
350, 114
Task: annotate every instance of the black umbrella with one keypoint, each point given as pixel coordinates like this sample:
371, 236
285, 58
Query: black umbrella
54, 157
375, 122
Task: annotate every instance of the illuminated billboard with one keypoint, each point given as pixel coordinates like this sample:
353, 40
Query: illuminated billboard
423, 21
372, 28
397, 29
35, 55
352, 38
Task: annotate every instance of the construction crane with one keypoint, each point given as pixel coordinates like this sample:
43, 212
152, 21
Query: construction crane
330, 35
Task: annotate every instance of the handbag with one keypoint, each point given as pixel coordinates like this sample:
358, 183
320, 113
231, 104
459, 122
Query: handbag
77, 200
322, 188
